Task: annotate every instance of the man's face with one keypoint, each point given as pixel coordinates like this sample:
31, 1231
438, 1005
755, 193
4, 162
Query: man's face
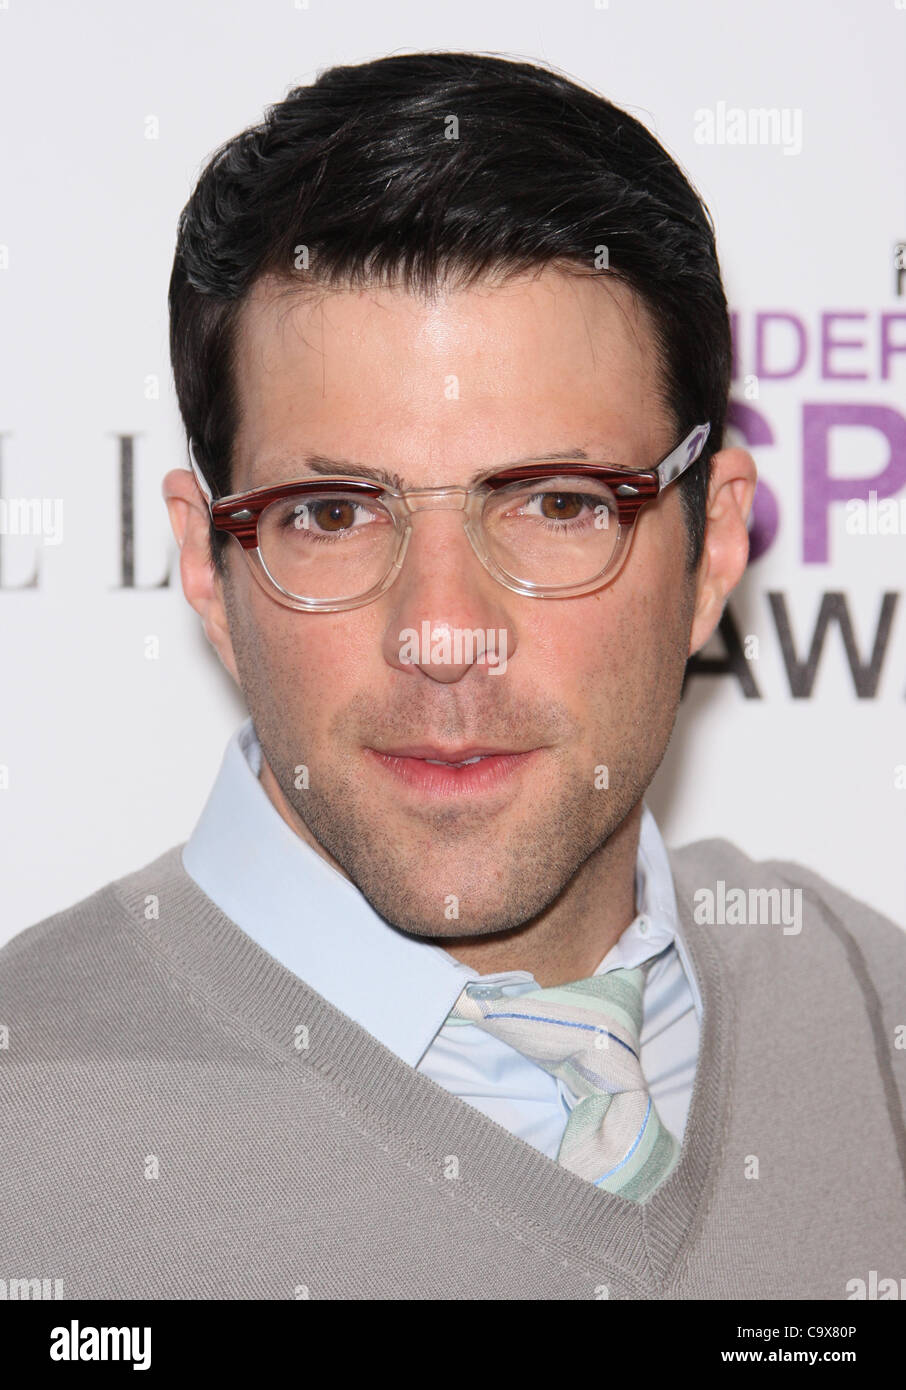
435, 393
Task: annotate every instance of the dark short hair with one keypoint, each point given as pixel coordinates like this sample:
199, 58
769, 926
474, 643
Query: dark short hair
359, 168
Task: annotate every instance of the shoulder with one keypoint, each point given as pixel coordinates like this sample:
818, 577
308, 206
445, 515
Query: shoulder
82, 940
714, 876
709, 860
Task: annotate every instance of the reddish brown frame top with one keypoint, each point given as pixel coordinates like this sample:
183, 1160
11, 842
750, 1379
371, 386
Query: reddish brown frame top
238, 515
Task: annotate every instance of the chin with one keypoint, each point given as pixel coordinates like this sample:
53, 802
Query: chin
446, 908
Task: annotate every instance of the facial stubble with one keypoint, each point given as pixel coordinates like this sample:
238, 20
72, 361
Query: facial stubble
441, 870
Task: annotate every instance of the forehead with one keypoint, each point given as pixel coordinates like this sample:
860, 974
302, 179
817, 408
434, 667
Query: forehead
535, 363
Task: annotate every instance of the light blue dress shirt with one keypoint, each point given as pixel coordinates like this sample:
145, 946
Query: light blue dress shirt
317, 924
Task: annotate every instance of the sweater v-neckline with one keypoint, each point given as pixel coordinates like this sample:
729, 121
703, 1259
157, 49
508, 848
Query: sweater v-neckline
636, 1247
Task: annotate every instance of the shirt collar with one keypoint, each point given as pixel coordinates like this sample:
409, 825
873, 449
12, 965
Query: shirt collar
657, 924
317, 923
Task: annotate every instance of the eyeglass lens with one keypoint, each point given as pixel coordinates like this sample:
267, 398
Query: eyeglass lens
335, 545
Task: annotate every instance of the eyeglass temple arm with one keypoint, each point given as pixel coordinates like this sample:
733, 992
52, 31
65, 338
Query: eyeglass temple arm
683, 456
199, 476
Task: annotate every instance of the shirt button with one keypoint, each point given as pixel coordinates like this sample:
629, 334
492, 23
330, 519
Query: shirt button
485, 992
644, 924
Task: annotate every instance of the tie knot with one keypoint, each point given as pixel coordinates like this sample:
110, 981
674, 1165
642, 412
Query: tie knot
617, 994
573, 1030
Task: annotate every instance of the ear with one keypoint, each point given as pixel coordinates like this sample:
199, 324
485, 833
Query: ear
726, 545
202, 584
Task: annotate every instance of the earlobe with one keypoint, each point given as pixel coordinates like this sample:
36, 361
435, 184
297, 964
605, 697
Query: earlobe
218, 634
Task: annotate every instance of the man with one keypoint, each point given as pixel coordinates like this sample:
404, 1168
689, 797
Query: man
424, 1008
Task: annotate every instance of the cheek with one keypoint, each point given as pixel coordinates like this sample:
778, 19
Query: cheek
306, 664
654, 584
580, 652
619, 652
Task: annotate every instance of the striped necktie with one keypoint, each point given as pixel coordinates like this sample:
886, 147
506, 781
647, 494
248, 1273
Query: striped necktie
587, 1033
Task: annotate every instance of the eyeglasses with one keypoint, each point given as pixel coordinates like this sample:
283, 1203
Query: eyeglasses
547, 530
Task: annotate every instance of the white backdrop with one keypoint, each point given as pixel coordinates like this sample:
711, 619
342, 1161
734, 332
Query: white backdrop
108, 111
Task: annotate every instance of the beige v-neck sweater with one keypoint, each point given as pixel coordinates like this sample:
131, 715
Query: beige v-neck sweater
182, 1117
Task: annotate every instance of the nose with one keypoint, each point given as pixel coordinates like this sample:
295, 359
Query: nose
446, 614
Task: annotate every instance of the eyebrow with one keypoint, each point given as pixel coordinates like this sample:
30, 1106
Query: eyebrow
301, 466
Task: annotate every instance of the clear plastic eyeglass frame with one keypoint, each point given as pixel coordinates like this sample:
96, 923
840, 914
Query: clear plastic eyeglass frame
238, 515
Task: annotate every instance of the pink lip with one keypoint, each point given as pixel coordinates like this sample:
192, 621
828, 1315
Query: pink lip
446, 755
410, 767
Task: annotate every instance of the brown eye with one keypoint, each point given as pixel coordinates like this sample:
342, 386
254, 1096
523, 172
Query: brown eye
560, 506
335, 515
